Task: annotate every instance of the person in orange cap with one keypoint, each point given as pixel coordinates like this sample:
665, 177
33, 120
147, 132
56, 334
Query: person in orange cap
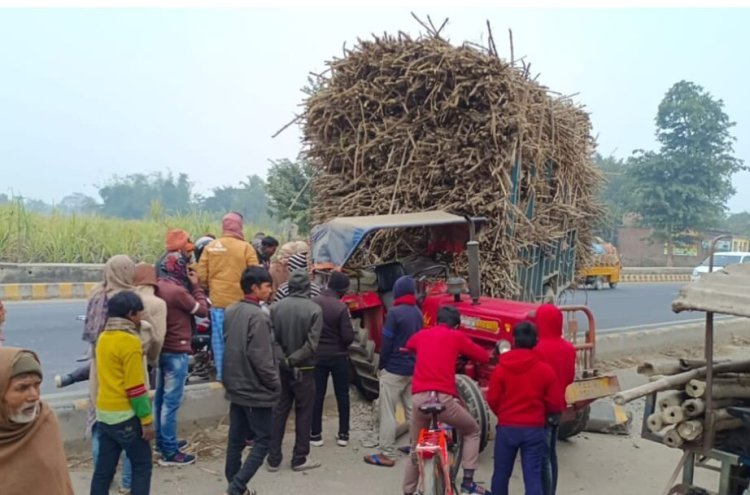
176, 240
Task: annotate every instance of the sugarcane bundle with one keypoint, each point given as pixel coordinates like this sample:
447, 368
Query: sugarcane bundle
401, 124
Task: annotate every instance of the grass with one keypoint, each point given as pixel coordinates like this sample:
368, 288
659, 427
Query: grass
27, 237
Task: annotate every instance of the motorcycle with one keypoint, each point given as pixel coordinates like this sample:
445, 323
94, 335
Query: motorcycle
201, 367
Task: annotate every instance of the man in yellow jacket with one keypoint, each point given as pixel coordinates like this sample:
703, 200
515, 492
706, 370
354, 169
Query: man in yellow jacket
220, 270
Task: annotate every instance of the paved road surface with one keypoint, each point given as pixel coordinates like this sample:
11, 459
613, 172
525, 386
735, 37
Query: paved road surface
51, 328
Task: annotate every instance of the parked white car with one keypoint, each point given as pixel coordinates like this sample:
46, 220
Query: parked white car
720, 261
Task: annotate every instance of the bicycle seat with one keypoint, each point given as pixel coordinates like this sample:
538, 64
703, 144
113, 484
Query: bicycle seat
432, 408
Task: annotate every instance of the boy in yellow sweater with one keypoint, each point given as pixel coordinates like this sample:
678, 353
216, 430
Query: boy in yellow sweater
123, 407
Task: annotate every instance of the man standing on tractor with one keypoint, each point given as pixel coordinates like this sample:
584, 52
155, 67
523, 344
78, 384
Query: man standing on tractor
437, 350
560, 354
523, 390
396, 368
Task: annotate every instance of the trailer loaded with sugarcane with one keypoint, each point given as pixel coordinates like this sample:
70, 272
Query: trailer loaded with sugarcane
426, 154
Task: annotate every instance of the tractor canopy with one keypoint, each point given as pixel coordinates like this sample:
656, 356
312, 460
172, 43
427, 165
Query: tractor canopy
334, 242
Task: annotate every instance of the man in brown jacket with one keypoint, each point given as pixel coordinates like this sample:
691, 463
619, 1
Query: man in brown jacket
219, 270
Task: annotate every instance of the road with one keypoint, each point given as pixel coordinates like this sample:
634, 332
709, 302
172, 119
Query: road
51, 328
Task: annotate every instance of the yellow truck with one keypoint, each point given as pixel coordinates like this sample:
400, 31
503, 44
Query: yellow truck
606, 267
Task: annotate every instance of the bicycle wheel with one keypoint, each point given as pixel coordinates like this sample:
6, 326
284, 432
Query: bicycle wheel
433, 477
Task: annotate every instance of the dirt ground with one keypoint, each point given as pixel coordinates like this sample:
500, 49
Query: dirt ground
590, 463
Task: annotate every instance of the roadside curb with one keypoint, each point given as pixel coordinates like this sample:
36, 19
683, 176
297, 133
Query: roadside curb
655, 277
62, 290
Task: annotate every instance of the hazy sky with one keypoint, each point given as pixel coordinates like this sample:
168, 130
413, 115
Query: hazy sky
85, 94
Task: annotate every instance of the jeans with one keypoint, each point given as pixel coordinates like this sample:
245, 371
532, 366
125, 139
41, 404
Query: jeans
243, 420
170, 386
533, 445
217, 340
549, 469
127, 469
338, 367
113, 439
301, 394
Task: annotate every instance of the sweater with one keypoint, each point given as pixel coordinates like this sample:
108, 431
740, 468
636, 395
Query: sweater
182, 306
437, 350
523, 390
119, 369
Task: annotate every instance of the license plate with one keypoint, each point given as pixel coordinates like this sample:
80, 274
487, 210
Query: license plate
591, 388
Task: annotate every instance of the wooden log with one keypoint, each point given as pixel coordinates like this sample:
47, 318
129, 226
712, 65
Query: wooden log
659, 368
670, 398
673, 415
722, 390
655, 422
675, 381
693, 429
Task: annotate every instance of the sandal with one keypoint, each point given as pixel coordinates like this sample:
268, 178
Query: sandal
380, 460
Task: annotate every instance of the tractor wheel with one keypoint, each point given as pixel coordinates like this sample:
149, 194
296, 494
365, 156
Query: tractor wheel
613, 285
364, 363
598, 283
471, 395
573, 428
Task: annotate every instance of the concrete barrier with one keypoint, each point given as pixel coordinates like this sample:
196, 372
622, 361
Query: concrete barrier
650, 340
34, 273
64, 290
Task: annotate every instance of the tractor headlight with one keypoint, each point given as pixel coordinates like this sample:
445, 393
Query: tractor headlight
502, 347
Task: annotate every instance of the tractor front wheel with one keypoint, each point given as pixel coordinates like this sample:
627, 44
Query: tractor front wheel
573, 428
471, 396
364, 365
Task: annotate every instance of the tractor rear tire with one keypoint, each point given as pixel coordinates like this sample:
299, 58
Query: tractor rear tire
573, 428
471, 395
364, 365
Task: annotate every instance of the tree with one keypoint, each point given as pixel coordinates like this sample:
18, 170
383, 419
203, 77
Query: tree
738, 223
249, 199
134, 195
686, 184
616, 194
78, 203
288, 189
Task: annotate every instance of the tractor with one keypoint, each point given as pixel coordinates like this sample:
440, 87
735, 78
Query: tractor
545, 272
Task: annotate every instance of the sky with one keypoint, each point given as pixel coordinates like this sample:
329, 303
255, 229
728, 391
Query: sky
89, 93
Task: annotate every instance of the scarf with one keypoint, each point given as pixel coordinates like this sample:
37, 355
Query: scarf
174, 265
32, 458
232, 226
119, 272
409, 299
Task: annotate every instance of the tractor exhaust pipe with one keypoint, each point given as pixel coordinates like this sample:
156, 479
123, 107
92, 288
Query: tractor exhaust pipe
475, 283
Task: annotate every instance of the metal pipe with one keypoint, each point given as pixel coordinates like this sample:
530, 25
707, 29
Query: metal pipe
472, 250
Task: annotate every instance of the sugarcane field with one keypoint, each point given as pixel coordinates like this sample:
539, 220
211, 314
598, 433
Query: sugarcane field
434, 250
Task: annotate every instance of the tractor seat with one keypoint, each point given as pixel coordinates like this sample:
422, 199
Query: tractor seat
432, 408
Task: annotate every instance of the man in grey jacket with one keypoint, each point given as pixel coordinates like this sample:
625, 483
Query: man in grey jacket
297, 322
251, 379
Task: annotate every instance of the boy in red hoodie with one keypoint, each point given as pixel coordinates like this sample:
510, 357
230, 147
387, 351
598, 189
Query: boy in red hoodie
523, 391
437, 349
560, 354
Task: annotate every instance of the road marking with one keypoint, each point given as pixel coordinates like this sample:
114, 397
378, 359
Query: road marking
662, 324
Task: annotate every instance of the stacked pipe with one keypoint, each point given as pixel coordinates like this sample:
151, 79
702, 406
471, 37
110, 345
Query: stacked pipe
680, 412
401, 125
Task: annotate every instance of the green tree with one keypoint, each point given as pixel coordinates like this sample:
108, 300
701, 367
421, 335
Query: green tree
133, 196
738, 223
288, 189
616, 194
78, 203
686, 184
248, 198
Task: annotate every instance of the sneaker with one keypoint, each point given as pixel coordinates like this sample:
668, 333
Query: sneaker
317, 441
123, 491
473, 488
342, 440
63, 381
306, 466
177, 459
271, 468
182, 444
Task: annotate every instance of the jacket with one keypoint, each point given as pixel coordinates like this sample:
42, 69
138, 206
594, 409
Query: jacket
122, 391
251, 370
297, 322
182, 307
220, 269
523, 390
155, 313
552, 348
337, 333
437, 350
402, 321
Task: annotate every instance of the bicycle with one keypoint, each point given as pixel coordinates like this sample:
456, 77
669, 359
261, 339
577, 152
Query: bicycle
436, 451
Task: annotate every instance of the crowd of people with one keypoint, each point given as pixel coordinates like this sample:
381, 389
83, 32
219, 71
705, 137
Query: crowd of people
277, 338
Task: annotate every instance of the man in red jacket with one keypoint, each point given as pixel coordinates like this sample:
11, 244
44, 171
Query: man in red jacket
523, 391
437, 350
560, 354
